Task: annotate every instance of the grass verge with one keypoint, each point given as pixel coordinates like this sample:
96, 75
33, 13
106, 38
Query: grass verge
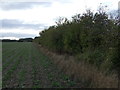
82, 72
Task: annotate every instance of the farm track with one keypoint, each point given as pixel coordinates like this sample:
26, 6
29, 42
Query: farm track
30, 68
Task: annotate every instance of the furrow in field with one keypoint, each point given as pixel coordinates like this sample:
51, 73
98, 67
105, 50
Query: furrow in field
10, 61
40, 77
23, 75
27, 76
14, 79
30, 68
11, 51
8, 74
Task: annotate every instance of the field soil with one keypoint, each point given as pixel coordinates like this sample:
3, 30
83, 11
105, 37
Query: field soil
25, 66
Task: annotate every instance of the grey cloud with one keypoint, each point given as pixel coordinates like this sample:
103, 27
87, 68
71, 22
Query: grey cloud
17, 35
12, 23
22, 5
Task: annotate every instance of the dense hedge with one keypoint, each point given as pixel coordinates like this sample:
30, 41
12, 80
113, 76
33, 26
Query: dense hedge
90, 37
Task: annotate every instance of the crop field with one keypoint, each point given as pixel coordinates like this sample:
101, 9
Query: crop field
25, 66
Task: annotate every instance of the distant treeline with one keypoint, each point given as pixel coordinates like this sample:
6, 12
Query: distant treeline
20, 40
8, 40
25, 40
91, 37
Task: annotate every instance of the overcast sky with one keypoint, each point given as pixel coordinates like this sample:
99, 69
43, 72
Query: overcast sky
27, 19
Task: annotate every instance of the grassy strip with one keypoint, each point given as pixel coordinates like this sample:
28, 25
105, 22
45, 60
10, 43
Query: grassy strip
36, 83
57, 79
84, 73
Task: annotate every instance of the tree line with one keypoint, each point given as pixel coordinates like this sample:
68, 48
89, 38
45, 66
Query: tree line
92, 37
20, 40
